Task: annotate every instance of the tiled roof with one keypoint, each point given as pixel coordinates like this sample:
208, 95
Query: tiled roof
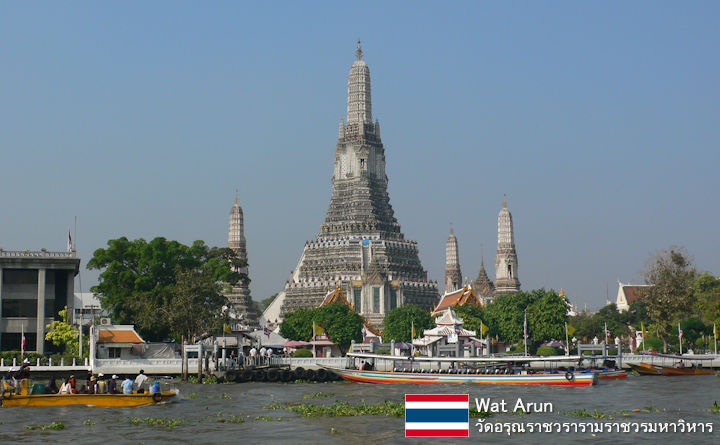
119, 336
633, 293
466, 295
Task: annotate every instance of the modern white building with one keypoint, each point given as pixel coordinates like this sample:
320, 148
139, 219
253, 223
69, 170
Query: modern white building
34, 287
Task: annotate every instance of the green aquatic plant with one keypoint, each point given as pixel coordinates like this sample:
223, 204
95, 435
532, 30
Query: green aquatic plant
192, 395
209, 380
268, 418
89, 422
585, 413
51, 426
480, 414
716, 407
318, 395
343, 409
226, 396
167, 423
232, 419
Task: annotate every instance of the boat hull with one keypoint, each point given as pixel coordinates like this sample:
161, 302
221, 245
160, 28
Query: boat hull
107, 400
568, 379
650, 369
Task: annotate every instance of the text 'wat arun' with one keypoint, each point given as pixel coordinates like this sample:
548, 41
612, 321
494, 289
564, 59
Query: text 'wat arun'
360, 246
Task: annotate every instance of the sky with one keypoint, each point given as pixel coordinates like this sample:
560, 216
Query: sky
598, 120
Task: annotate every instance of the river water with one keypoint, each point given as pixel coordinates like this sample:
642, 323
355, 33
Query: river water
201, 406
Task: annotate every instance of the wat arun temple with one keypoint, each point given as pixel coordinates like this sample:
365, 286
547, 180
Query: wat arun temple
360, 247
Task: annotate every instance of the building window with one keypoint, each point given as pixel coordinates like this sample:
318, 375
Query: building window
376, 299
509, 270
114, 352
358, 301
20, 308
362, 164
393, 299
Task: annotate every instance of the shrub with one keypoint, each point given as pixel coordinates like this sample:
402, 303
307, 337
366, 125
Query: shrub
652, 344
546, 351
302, 352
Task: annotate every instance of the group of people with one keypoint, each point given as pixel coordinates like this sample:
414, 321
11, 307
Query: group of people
94, 385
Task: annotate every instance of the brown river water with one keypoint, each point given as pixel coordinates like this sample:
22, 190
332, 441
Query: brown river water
671, 399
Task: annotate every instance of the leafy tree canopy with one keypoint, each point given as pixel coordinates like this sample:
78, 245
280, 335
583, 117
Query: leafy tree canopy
670, 297
147, 284
61, 333
472, 316
399, 321
342, 324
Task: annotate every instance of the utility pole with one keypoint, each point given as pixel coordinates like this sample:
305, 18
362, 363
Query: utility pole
525, 332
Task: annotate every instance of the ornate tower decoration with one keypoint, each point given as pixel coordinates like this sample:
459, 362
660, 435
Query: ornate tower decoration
239, 296
453, 277
360, 246
506, 263
484, 288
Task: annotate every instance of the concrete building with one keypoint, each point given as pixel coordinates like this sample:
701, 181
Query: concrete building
360, 246
87, 309
34, 287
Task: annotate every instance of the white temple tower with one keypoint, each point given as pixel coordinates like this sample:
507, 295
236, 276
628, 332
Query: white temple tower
360, 247
453, 276
239, 296
506, 263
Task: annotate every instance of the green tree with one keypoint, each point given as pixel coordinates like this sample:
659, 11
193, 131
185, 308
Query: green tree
670, 297
505, 316
586, 326
297, 325
138, 279
342, 324
61, 333
472, 315
707, 293
547, 315
615, 322
399, 321
197, 304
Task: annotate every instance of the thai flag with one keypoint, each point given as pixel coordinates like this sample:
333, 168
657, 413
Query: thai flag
267, 331
437, 415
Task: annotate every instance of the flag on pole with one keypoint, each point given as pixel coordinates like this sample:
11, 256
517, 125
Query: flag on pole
226, 329
317, 329
607, 331
413, 334
483, 328
680, 332
69, 244
569, 329
714, 330
437, 415
267, 331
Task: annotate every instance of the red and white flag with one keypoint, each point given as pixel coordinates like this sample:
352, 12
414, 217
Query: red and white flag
680, 332
70, 244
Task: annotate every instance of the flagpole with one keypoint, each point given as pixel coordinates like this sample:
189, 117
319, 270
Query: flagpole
680, 337
22, 340
605, 336
567, 341
525, 331
715, 335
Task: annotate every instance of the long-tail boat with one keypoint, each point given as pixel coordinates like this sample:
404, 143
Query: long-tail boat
108, 400
651, 369
569, 378
25, 398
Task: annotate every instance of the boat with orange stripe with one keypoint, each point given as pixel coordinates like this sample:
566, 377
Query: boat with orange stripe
477, 376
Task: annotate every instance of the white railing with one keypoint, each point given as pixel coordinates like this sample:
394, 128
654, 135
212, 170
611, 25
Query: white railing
35, 254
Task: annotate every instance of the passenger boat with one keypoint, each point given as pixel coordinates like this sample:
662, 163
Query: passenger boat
610, 374
568, 378
108, 400
652, 369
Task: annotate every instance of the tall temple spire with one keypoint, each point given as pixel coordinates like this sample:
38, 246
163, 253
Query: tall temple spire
359, 104
360, 246
453, 276
239, 294
506, 263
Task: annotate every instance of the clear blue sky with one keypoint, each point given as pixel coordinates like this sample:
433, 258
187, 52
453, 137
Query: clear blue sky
599, 120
